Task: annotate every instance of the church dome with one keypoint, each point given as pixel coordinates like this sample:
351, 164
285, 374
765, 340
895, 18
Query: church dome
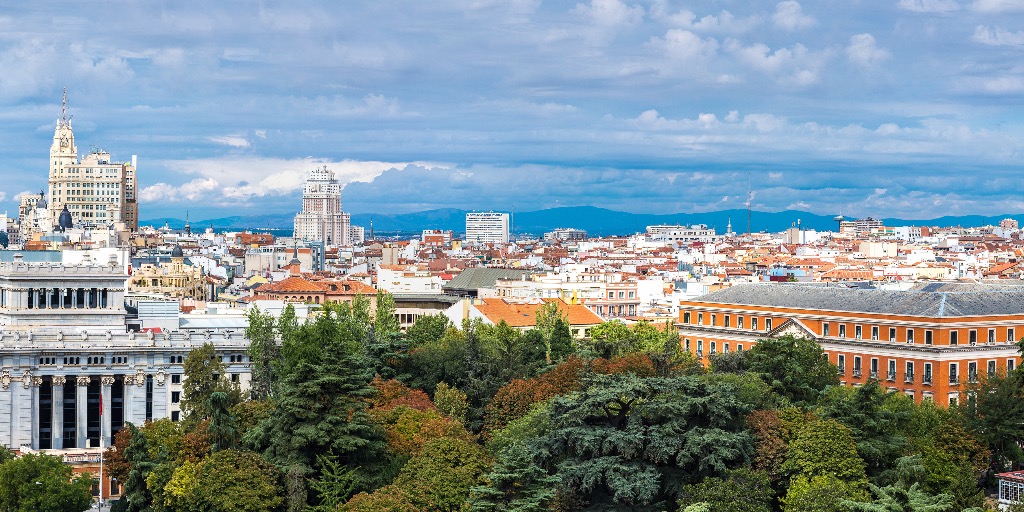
64, 220
177, 252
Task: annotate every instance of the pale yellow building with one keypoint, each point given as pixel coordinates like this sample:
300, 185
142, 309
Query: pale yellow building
174, 279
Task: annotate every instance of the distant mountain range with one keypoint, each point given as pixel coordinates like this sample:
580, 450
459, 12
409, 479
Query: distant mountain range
596, 221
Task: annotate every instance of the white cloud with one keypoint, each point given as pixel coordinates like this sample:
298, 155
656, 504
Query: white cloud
864, 51
790, 16
194, 190
796, 67
998, 5
679, 44
17, 197
937, 6
610, 13
997, 36
724, 22
230, 140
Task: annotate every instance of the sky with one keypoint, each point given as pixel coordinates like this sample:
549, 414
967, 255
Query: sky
884, 108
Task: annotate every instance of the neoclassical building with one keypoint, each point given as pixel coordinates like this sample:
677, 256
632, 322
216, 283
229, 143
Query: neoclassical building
173, 279
66, 355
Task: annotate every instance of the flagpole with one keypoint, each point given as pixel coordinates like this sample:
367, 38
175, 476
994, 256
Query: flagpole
101, 451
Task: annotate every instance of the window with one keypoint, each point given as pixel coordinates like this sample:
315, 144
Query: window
1009, 334
891, 374
842, 330
714, 319
874, 367
700, 348
175, 397
753, 324
175, 379
687, 344
972, 372
714, 345
910, 335
725, 348
1010, 364
739, 347
739, 322
953, 338
622, 295
611, 295
767, 324
992, 368
700, 318
686, 317
972, 337
892, 334
175, 416
928, 337
856, 366
841, 363
726, 319
858, 332
874, 332
908, 377
632, 295
927, 377
991, 335
954, 378
825, 329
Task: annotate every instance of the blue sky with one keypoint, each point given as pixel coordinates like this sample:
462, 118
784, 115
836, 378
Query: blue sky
908, 108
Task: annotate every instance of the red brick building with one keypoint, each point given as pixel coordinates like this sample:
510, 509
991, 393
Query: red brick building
927, 342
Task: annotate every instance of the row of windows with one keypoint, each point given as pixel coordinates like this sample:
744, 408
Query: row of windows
727, 321
858, 330
909, 367
713, 345
89, 360
622, 294
954, 336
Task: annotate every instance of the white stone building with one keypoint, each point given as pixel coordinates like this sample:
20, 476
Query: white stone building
487, 227
321, 218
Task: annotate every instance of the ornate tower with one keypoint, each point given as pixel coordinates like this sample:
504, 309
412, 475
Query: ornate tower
63, 152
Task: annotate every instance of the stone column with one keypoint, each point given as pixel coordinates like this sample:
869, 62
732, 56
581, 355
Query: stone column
58, 412
105, 418
82, 411
36, 382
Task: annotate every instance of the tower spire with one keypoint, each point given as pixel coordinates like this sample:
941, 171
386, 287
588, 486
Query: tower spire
64, 108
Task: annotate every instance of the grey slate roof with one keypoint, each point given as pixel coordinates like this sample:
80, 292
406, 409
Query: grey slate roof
435, 297
477, 278
966, 300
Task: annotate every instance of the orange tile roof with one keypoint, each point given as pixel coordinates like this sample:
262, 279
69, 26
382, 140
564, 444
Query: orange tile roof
525, 315
294, 284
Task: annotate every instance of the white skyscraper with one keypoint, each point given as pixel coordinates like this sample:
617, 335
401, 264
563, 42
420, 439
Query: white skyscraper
321, 218
487, 227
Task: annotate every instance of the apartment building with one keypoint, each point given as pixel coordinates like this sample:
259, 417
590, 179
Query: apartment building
928, 342
487, 227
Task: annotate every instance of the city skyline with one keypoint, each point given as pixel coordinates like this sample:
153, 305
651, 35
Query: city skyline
905, 109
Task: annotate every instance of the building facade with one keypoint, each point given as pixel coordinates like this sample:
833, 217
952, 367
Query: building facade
487, 228
65, 350
321, 218
929, 342
95, 190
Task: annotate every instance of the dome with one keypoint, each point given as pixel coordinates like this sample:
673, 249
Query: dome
177, 252
64, 220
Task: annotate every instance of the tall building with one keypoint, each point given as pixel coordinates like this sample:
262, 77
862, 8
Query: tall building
94, 190
487, 227
321, 218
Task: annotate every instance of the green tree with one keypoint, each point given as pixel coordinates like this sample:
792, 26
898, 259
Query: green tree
449, 400
223, 429
553, 324
875, 417
205, 374
136, 494
228, 480
385, 319
896, 498
995, 410
742, 490
320, 405
516, 483
440, 477
826, 447
385, 346
42, 483
636, 441
337, 483
610, 339
263, 353
428, 330
820, 493
795, 368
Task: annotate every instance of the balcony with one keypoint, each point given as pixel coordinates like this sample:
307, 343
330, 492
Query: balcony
700, 354
927, 380
972, 378
874, 374
856, 372
954, 380
908, 378
842, 371
891, 376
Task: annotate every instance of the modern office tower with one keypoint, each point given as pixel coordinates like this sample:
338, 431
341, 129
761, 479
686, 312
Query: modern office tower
487, 227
